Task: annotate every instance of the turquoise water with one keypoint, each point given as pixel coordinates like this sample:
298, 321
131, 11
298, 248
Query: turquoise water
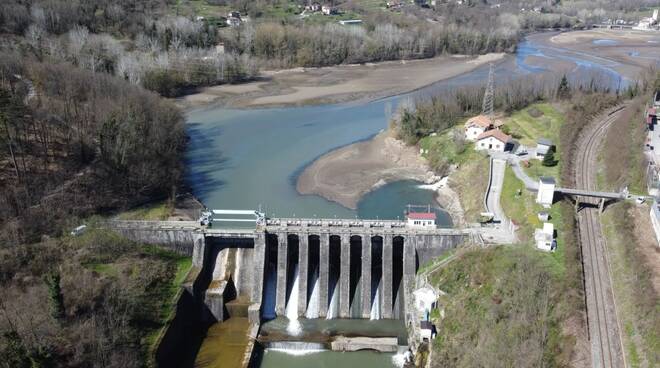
243, 159
389, 200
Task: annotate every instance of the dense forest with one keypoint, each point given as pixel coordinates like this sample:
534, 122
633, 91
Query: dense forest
79, 137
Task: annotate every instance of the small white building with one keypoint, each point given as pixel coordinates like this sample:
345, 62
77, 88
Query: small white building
313, 7
543, 146
546, 191
425, 299
494, 140
421, 219
655, 220
328, 10
426, 330
476, 126
545, 237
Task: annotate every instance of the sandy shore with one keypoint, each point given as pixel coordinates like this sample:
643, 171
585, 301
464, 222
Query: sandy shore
346, 174
628, 52
302, 86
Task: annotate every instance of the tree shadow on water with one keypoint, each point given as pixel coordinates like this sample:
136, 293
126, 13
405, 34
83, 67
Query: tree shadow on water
203, 163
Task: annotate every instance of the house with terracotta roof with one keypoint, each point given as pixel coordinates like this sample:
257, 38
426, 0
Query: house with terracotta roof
476, 126
494, 140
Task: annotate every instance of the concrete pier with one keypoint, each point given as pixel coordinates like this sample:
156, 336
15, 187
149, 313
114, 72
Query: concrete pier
381, 344
345, 277
386, 279
324, 271
280, 294
366, 277
303, 270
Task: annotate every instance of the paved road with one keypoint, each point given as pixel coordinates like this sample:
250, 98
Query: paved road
498, 168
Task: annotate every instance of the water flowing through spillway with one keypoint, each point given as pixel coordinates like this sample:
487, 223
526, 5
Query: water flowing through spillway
294, 328
375, 307
313, 306
296, 347
333, 308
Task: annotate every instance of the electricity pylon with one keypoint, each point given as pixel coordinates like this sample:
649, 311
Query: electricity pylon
487, 107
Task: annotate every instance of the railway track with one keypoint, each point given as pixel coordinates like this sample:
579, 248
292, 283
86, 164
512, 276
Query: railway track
602, 320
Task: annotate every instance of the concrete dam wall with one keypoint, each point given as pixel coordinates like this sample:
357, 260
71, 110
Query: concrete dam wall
326, 270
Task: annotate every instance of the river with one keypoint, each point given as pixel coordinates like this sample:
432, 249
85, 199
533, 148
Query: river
246, 159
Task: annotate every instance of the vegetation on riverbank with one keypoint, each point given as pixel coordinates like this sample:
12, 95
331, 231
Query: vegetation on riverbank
173, 46
504, 308
112, 295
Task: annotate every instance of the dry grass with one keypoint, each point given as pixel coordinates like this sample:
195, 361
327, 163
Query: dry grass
635, 262
622, 154
470, 181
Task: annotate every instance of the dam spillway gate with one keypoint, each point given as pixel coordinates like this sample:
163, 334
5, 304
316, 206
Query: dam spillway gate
310, 267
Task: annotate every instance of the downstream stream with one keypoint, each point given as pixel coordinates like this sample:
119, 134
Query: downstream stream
243, 159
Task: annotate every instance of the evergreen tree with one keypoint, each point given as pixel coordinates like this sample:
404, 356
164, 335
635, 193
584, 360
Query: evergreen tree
55, 295
564, 90
549, 158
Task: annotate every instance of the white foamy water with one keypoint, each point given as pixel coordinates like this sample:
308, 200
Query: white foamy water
375, 307
313, 306
297, 348
296, 352
399, 359
294, 328
333, 309
435, 186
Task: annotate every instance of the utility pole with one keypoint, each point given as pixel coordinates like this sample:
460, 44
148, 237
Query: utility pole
487, 107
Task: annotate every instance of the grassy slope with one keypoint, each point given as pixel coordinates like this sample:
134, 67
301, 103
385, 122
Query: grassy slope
283, 11
470, 179
491, 292
158, 211
637, 304
626, 229
527, 129
113, 265
503, 308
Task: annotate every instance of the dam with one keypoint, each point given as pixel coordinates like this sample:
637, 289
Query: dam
283, 269
335, 268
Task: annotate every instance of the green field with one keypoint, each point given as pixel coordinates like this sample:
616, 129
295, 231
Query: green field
158, 211
541, 120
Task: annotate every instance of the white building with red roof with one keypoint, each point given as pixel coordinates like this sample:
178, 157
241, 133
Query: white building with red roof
494, 140
421, 219
476, 126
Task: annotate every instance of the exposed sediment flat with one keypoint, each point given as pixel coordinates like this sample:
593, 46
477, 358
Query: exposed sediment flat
346, 174
342, 83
